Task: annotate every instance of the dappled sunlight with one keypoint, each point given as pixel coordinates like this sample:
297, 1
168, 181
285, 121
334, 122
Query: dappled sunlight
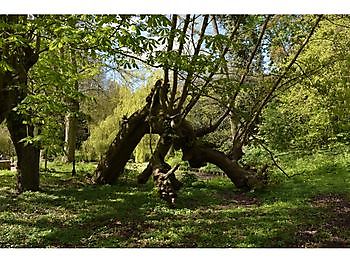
212, 214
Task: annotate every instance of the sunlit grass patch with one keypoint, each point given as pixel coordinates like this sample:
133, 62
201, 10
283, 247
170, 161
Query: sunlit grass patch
305, 210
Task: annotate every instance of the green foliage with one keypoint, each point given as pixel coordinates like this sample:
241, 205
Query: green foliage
143, 151
314, 112
6, 147
72, 49
255, 156
126, 102
299, 120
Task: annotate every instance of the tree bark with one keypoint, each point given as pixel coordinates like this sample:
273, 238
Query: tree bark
71, 128
119, 152
199, 154
163, 175
71, 121
157, 158
7, 96
143, 177
28, 154
13, 89
130, 134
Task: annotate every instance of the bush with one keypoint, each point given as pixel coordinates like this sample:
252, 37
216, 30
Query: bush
255, 156
7, 148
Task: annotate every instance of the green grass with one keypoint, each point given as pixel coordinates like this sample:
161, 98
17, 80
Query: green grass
308, 210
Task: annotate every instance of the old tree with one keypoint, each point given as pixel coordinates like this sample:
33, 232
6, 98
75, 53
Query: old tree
240, 62
235, 64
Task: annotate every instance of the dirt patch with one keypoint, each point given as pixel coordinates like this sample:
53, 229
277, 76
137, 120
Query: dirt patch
330, 200
239, 199
331, 230
339, 206
207, 176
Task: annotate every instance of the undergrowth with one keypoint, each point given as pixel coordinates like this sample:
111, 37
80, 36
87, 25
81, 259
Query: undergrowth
311, 209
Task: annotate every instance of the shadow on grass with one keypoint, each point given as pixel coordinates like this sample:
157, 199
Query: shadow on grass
67, 213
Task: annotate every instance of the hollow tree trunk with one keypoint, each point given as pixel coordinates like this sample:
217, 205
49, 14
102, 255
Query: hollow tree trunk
119, 152
28, 154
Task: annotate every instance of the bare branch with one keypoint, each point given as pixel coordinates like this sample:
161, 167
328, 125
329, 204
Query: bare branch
194, 99
170, 47
200, 132
175, 76
252, 55
194, 57
267, 98
172, 170
274, 160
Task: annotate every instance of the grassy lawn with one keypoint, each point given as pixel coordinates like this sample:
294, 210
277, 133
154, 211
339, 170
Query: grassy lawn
307, 210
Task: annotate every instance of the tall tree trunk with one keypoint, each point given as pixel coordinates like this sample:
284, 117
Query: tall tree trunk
71, 121
71, 128
13, 89
28, 154
45, 158
132, 131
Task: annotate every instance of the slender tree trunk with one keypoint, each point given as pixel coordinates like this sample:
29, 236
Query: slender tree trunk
71, 128
45, 158
28, 154
71, 121
236, 152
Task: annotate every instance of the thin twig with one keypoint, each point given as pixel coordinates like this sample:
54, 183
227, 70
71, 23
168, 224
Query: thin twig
274, 160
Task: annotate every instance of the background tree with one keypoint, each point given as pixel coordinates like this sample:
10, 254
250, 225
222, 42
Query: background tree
24, 39
313, 113
19, 49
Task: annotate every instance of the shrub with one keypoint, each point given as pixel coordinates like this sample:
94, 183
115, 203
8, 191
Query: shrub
6, 146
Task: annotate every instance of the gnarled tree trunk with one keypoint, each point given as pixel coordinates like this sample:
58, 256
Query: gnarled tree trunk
163, 175
119, 152
199, 154
156, 159
130, 134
